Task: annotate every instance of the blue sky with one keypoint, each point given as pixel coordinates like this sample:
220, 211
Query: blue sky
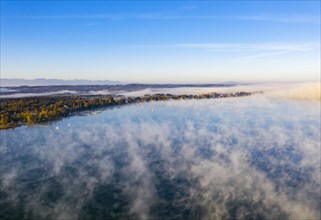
161, 42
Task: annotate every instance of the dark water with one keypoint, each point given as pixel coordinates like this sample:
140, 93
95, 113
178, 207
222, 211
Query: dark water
243, 158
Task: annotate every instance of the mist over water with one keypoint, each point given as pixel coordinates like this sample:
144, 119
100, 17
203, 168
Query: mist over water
305, 91
237, 158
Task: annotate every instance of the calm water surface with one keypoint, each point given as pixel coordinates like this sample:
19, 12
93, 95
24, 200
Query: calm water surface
237, 158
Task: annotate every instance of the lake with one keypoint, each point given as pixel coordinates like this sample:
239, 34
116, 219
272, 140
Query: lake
235, 158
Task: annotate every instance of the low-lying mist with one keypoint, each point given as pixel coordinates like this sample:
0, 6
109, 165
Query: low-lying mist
306, 91
238, 158
300, 91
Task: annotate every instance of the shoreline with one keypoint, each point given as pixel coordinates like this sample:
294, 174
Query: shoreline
30, 111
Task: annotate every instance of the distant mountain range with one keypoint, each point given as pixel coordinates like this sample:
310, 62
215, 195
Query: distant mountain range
4, 82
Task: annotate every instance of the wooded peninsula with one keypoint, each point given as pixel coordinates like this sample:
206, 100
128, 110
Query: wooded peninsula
16, 112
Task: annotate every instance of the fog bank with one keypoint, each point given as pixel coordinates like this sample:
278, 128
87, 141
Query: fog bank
306, 91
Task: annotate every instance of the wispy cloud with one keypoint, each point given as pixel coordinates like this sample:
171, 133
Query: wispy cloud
293, 18
297, 18
263, 55
302, 46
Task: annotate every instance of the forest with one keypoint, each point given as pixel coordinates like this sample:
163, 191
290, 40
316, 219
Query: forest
31, 110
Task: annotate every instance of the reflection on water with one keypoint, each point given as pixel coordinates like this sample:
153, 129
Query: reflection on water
244, 158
